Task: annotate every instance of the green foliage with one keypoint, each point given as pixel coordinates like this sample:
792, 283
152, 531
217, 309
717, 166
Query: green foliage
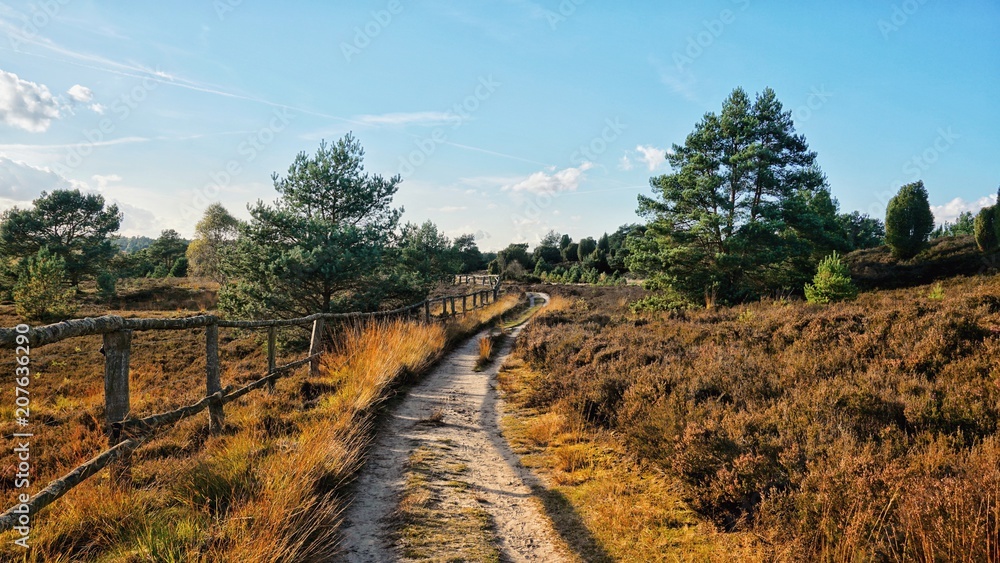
585, 248
470, 258
862, 231
745, 211
571, 253
216, 228
937, 292
832, 282
325, 245
428, 257
987, 229
180, 267
41, 293
909, 221
131, 244
107, 283
963, 226
667, 300
71, 225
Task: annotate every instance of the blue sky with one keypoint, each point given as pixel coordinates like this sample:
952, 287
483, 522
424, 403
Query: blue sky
506, 118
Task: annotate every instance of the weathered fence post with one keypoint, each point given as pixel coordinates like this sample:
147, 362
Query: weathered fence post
117, 351
444, 307
427, 311
463, 305
316, 346
272, 345
213, 380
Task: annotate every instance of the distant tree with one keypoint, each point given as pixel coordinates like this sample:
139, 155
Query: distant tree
862, 231
165, 251
987, 229
909, 221
180, 268
586, 248
41, 292
571, 253
324, 246
73, 226
548, 249
216, 228
832, 282
469, 255
964, 225
734, 220
564, 242
132, 244
427, 255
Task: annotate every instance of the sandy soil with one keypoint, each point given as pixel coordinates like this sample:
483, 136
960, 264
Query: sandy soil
470, 425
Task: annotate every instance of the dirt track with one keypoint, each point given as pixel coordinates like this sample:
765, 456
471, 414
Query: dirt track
462, 404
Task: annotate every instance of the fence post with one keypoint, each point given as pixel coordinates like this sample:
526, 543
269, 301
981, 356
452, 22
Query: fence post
117, 350
213, 381
316, 346
444, 307
463, 305
272, 345
427, 311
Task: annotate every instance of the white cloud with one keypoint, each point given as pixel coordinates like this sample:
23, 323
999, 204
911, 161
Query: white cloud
81, 94
413, 118
26, 105
652, 156
951, 210
103, 181
625, 163
21, 182
452, 208
566, 180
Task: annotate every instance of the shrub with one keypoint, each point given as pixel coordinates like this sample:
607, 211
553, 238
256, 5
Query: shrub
832, 282
909, 221
106, 285
180, 268
41, 292
987, 229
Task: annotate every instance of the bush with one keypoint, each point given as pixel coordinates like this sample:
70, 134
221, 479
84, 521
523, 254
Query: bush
909, 221
832, 282
106, 285
987, 229
180, 268
41, 292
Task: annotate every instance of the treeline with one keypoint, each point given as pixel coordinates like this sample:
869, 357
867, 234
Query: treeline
330, 242
747, 213
560, 259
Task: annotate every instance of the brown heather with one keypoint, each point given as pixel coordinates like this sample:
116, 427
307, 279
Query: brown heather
861, 431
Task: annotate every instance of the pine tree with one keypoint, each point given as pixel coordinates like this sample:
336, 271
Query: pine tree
909, 221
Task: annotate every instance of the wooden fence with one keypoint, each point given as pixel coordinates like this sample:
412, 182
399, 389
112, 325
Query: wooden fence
470, 279
126, 434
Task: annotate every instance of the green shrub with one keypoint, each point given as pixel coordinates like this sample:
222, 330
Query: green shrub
909, 221
832, 282
41, 291
180, 268
988, 229
107, 285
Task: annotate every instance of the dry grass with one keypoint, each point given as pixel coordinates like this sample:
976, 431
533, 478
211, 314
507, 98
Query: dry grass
857, 431
604, 504
267, 489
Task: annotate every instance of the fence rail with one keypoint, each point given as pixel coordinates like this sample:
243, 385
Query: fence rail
126, 434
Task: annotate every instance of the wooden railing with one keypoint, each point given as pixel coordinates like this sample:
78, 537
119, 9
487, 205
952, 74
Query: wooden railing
126, 434
470, 279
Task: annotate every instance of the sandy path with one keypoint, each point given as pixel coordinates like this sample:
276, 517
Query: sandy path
470, 424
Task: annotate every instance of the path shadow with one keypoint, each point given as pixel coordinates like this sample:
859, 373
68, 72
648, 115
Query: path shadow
566, 521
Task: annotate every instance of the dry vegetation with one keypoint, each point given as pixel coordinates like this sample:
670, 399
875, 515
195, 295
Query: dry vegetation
267, 489
857, 431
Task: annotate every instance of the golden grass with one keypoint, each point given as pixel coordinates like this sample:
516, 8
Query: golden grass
606, 506
269, 488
